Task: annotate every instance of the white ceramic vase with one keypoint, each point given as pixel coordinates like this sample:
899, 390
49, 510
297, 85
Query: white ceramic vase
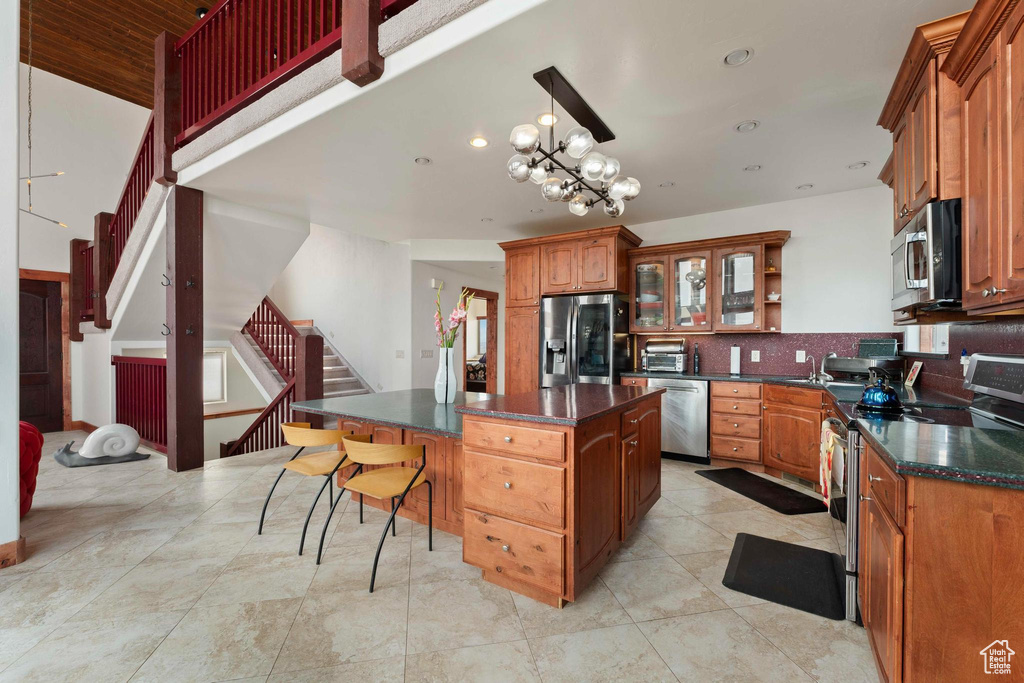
444, 380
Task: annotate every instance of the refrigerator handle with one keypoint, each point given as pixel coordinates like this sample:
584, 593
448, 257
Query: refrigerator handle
574, 372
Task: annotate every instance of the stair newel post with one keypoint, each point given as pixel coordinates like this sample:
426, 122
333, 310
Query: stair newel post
361, 62
101, 268
166, 107
76, 289
309, 373
184, 235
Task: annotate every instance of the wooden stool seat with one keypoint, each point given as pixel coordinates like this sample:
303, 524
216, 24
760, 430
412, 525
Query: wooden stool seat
386, 482
316, 464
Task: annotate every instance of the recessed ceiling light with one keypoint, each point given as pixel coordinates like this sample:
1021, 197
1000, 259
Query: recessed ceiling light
752, 167
486, 220
738, 57
201, 12
478, 141
536, 210
857, 166
547, 119
667, 184
423, 161
805, 186
747, 126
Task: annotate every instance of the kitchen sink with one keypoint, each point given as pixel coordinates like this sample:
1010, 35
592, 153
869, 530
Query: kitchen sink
817, 383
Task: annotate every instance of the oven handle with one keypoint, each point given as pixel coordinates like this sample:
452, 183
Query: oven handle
919, 236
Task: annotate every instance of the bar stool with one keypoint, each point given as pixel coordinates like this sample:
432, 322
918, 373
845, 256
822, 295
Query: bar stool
323, 464
384, 482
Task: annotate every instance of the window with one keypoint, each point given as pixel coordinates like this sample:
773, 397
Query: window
926, 339
481, 336
215, 377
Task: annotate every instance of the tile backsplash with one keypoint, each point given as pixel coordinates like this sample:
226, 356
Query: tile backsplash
946, 375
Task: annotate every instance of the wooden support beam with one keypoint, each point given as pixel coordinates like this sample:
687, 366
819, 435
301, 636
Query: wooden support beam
166, 107
102, 271
184, 235
361, 63
309, 374
76, 293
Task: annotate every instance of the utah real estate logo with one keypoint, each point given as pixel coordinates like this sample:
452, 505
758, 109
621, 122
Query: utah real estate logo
997, 657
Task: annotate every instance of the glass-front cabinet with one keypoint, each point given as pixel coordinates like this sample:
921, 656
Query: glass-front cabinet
738, 294
648, 306
690, 275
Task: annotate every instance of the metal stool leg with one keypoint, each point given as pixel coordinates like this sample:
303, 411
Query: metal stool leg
360, 508
323, 533
392, 516
330, 490
430, 515
302, 541
267, 501
373, 574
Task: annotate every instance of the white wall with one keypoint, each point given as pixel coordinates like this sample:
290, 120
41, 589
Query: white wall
89, 135
835, 267
10, 491
356, 290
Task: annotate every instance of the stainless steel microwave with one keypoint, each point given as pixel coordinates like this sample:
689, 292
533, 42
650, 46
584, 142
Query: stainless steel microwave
926, 259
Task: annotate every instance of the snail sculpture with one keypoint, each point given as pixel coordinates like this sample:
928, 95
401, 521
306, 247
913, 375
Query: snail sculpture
105, 446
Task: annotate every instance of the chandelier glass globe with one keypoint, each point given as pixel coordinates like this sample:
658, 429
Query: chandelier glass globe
551, 189
615, 209
578, 205
538, 175
619, 187
611, 169
634, 189
592, 166
525, 139
578, 141
519, 168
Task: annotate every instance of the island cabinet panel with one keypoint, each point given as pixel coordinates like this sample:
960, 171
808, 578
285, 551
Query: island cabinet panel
522, 277
649, 455
519, 439
436, 450
598, 502
630, 486
526, 491
454, 497
519, 552
522, 350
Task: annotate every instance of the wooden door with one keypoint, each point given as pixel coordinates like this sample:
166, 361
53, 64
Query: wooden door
882, 576
981, 214
435, 471
1012, 99
922, 138
597, 264
648, 301
738, 288
522, 350
42, 356
597, 493
559, 267
648, 455
791, 439
454, 508
522, 276
689, 292
901, 173
630, 486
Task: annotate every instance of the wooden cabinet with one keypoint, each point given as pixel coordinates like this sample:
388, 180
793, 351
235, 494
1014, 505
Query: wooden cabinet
598, 264
633, 381
736, 422
689, 302
738, 290
882, 576
1013, 158
901, 173
648, 436
454, 494
921, 132
648, 303
522, 349
435, 447
559, 267
630, 485
792, 430
522, 277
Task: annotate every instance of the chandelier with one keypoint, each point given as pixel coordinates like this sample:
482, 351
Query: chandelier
593, 178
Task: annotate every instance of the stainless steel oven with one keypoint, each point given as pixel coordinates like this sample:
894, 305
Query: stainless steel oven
926, 264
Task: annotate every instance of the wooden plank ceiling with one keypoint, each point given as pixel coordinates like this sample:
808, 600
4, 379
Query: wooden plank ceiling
104, 44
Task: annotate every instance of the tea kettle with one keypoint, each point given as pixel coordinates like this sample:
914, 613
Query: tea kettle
880, 397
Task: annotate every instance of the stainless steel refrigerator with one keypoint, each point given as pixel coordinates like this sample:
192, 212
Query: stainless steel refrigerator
584, 338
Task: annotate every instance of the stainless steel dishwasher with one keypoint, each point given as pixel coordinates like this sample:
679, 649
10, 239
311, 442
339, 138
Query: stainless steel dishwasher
684, 416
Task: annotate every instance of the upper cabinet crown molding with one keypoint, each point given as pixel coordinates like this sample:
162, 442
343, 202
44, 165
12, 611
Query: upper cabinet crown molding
887, 174
615, 230
928, 42
977, 34
773, 237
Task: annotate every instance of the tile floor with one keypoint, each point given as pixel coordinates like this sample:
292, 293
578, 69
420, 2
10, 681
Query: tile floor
139, 573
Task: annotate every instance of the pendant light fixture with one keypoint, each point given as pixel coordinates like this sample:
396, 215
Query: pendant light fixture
30, 177
593, 178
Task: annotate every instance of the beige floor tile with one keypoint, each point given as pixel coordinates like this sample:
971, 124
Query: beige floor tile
14, 642
47, 543
208, 540
439, 565
442, 540
665, 508
131, 495
344, 626
196, 490
709, 500
222, 642
107, 649
610, 654
156, 516
828, 650
638, 546
505, 662
349, 567
236, 511
759, 522
683, 535
810, 526
658, 588
157, 586
255, 577
65, 497
123, 548
709, 568
595, 608
390, 670
454, 614
719, 646
350, 532
673, 479
50, 598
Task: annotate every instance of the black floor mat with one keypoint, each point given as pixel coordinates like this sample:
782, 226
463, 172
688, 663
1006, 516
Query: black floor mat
792, 575
776, 496
838, 508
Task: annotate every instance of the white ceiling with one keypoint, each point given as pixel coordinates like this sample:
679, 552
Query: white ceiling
820, 74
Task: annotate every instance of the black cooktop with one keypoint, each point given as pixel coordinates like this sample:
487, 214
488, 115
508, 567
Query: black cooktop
957, 417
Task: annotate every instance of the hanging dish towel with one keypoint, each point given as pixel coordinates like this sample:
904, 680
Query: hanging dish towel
832, 461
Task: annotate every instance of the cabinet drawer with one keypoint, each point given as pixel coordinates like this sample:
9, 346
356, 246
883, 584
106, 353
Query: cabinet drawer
729, 406
735, 449
633, 381
629, 420
514, 439
527, 491
735, 425
887, 488
736, 389
519, 551
794, 396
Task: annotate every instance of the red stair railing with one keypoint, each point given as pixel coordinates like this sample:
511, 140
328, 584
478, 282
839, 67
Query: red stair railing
136, 187
141, 397
276, 337
265, 431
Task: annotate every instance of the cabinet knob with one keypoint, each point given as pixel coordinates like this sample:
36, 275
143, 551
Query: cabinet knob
504, 548
864, 498
633, 421
734, 449
735, 407
985, 293
735, 391
633, 443
508, 484
735, 424
871, 477
508, 439
998, 291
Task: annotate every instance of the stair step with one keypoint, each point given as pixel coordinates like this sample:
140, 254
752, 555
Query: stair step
339, 381
345, 392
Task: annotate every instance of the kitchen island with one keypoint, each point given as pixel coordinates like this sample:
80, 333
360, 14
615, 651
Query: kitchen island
543, 487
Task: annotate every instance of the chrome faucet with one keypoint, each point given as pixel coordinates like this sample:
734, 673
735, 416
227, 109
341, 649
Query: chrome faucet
814, 375
819, 377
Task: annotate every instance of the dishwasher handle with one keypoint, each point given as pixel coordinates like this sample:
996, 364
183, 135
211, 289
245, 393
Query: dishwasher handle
691, 390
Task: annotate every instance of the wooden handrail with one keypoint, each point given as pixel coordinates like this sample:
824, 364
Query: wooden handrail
265, 431
133, 194
140, 392
276, 337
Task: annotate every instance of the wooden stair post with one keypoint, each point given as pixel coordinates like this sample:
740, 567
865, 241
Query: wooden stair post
166, 107
361, 62
184, 235
77, 289
101, 268
309, 374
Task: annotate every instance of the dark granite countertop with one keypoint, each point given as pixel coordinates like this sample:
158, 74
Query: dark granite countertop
571, 405
413, 409
990, 457
841, 390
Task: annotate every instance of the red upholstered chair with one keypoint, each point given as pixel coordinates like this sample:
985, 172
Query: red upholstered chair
31, 452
